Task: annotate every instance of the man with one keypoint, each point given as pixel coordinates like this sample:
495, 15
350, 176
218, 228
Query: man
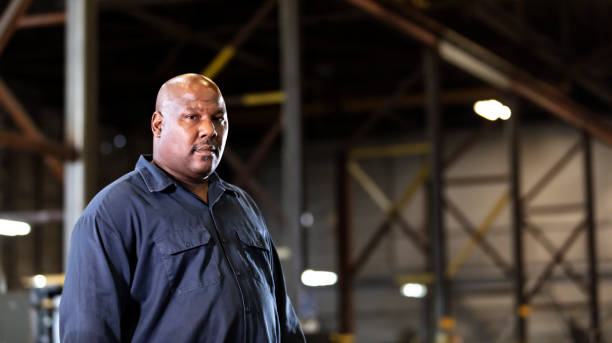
170, 252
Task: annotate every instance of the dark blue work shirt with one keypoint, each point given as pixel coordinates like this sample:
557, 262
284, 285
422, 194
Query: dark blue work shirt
149, 261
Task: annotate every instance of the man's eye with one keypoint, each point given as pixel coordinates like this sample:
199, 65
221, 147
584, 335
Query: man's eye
192, 117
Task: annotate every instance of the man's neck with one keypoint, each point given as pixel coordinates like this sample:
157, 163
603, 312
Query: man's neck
199, 187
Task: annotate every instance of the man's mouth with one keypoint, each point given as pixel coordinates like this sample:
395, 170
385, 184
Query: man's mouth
205, 150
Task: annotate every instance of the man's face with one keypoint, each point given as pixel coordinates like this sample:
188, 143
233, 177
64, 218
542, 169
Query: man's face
193, 130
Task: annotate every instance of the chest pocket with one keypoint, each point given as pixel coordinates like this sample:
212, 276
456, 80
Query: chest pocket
189, 258
256, 254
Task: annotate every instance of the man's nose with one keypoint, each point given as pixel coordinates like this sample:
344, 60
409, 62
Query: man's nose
207, 128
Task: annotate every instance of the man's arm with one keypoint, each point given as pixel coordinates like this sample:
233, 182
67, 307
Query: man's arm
291, 331
96, 288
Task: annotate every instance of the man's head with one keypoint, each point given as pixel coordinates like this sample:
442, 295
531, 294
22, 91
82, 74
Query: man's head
189, 127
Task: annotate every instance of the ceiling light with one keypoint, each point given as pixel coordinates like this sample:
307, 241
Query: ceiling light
414, 290
492, 109
13, 228
317, 278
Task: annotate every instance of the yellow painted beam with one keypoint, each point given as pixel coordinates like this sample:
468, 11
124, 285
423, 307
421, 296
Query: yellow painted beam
424, 278
263, 98
483, 228
390, 151
217, 64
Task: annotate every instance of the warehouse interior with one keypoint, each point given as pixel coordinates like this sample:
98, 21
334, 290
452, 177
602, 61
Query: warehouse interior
353, 125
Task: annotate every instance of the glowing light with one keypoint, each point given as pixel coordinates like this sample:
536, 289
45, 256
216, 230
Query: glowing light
13, 228
39, 281
414, 290
492, 110
318, 278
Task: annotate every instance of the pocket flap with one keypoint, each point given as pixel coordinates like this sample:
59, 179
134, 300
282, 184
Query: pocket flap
179, 240
252, 238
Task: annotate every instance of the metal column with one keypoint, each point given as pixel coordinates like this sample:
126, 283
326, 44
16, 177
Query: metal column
345, 276
81, 105
593, 277
521, 306
292, 138
442, 312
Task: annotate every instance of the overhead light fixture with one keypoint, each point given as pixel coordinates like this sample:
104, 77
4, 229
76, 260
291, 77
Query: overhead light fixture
13, 228
318, 278
413, 290
492, 110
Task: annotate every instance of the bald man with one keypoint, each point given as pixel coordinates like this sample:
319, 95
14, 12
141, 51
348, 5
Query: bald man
170, 252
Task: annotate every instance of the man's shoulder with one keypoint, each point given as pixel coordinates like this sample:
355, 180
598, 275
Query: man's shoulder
118, 194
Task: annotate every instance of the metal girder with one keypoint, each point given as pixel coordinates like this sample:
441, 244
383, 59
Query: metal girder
461, 257
391, 211
10, 17
470, 229
229, 50
81, 105
344, 243
557, 259
23, 120
500, 21
591, 233
42, 146
260, 152
258, 190
521, 300
487, 66
172, 29
41, 20
477, 180
381, 111
291, 155
540, 237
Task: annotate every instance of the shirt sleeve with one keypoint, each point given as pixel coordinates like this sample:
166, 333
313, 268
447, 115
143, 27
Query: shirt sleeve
291, 331
96, 288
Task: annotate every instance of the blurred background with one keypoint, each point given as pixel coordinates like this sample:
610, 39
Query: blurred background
430, 170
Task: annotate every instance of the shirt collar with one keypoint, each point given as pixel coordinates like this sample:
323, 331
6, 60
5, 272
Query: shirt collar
157, 180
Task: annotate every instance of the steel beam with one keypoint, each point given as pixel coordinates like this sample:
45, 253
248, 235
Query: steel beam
228, 51
292, 136
42, 146
487, 247
10, 17
344, 243
557, 259
540, 237
591, 232
485, 65
520, 299
254, 186
80, 126
477, 180
41, 20
23, 120
178, 31
260, 151
433, 110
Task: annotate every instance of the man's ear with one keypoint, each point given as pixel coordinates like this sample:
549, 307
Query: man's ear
157, 121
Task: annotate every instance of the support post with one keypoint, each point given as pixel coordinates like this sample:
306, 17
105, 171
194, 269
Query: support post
442, 310
292, 138
344, 239
81, 103
593, 276
521, 306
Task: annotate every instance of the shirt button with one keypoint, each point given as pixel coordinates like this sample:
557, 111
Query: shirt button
223, 240
238, 274
248, 309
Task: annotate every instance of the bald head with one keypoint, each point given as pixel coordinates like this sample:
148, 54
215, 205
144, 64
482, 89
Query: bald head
189, 127
181, 85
